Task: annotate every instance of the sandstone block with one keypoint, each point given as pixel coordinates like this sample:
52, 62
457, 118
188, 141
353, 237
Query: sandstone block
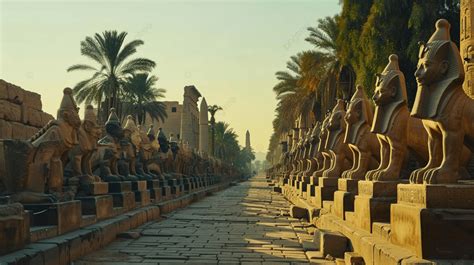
18, 131
3, 89
333, 243
45, 118
5, 129
30, 131
15, 94
10, 111
32, 100
298, 212
31, 116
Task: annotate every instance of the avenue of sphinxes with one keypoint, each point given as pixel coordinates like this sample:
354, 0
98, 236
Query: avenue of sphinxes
370, 159
397, 188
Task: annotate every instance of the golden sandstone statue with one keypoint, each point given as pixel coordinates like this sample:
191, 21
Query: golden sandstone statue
447, 112
32, 171
341, 156
322, 154
361, 141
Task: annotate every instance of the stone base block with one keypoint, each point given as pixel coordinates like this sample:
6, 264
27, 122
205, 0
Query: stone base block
139, 185
333, 243
298, 212
120, 186
349, 185
100, 206
155, 194
343, 202
166, 193
96, 188
425, 221
15, 231
125, 200
353, 258
67, 216
325, 191
142, 197
153, 184
373, 202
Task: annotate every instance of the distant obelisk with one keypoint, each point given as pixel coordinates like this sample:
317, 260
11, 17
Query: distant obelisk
467, 44
203, 128
247, 140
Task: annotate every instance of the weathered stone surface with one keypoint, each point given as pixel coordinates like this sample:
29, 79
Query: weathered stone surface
298, 212
10, 111
32, 100
14, 228
3, 89
333, 243
65, 215
5, 129
15, 94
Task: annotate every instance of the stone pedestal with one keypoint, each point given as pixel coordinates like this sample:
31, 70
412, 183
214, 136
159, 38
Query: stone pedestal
96, 188
124, 199
324, 191
344, 197
14, 228
435, 221
311, 187
101, 206
67, 216
139, 185
120, 186
142, 197
372, 204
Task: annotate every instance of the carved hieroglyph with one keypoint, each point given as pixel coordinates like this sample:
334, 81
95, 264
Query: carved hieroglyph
446, 110
467, 44
362, 142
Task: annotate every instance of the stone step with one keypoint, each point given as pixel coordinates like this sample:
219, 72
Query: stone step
333, 243
381, 229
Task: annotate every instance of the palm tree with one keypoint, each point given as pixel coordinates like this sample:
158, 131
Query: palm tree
324, 37
212, 109
140, 98
227, 146
110, 53
296, 89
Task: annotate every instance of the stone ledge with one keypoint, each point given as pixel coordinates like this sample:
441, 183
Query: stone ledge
66, 248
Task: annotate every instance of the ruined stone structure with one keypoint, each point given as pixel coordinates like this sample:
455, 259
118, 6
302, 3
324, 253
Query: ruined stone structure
467, 44
172, 124
203, 128
20, 112
190, 117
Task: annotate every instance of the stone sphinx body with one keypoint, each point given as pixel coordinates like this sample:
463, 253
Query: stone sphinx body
312, 163
396, 131
447, 112
32, 171
323, 156
341, 155
363, 143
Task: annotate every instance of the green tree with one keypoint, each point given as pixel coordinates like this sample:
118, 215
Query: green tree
141, 98
112, 56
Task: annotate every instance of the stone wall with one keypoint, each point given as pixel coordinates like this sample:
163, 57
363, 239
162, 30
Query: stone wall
467, 44
20, 112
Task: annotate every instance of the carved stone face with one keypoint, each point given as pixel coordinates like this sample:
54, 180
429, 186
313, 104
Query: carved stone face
353, 112
72, 118
335, 121
430, 71
385, 91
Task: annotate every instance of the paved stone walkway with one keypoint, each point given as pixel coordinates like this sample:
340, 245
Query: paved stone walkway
244, 224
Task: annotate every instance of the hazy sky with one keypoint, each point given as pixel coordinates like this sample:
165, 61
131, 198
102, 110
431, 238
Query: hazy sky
229, 50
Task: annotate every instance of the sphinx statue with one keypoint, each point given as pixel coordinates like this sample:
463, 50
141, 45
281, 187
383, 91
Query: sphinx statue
322, 157
312, 163
363, 143
341, 155
396, 131
32, 171
145, 154
128, 144
80, 156
447, 112
109, 149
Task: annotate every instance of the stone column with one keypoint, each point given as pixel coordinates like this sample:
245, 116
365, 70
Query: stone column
189, 117
203, 128
467, 44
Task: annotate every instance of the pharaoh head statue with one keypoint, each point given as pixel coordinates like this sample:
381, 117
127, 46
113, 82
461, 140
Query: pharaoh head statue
113, 126
89, 124
359, 113
131, 131
439, 73
390, 94
68, 110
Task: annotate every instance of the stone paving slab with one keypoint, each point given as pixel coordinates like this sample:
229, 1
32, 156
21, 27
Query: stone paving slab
245, 224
